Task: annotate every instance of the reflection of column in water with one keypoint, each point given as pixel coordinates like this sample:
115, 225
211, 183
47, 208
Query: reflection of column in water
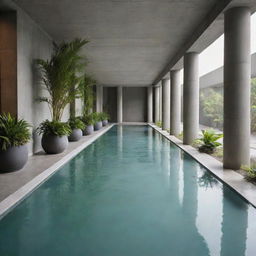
150, 142
157, 149
120, 140
234, 224
190, 207
174, 174
165, 159
181, 178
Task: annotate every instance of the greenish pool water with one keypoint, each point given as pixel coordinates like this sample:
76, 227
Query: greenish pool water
130, 193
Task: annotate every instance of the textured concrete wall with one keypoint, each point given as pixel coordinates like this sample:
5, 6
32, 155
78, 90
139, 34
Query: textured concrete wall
32, 43
110, 102
134, 104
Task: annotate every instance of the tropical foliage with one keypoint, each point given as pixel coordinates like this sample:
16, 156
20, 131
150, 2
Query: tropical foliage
253, 105
250, 172
212, 106
209, 141
60, 76
13, 131
97, 117
76, 123
87, 119
103, 116
54, 128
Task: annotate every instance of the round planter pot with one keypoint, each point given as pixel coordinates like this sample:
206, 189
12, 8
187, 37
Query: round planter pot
98, 126
53, 144
104, 122
13, 159
76, 135
88, 130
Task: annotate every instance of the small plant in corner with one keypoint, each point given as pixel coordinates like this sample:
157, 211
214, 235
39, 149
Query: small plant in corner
14, 135
104, 118
209, 141
77, 126
159, 124
250, 172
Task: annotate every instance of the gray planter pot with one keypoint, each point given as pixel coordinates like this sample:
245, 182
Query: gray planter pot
88, 130
104, 122
53, 144
13, 159
76, 135
98, 126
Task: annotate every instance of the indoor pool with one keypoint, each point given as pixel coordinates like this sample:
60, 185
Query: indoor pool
130, 193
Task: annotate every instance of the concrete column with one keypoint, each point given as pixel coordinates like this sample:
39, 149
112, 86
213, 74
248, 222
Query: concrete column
237, 72
160, 102
157, 104
175, 119
119, 104
150, 104
191, 97
99, 98
166, 104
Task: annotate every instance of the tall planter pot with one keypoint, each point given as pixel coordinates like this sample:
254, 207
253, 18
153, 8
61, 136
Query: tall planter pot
88, 130
14, 158
104, 122
53, 144
76, 135
98, 126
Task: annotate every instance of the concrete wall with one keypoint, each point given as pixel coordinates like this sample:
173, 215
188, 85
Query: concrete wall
110, 102
134, 104
32, 43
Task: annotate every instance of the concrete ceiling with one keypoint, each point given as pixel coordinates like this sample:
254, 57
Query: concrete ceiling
132, 42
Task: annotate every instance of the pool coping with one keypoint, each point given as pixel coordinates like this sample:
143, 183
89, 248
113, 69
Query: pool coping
230, 177
7, 204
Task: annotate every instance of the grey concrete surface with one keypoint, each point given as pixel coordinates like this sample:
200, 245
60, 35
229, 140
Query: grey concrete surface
175, 114
156, 104
134, 104
119, 104
125, 36
166, 104
191, 97
237, 72
150, 105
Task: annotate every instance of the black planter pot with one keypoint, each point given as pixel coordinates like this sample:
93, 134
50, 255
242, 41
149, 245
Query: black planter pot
53, 144
104, 122
98, 126
13, 159
76, 135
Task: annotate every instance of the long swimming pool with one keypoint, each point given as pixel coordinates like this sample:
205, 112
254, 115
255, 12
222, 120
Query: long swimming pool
130, 193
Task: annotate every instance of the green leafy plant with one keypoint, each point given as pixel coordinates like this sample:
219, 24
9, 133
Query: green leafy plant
159, 124
96, 117
13, 132
76, 123
87, 119
250, 172
209, 141
104, 116
54, 128
180, 136
212, 105
60, 76
86, 90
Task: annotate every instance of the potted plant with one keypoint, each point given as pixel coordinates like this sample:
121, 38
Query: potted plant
89, 124
104, 118
61, 79
14, 135
97, 121
209, 141
55, 136
77, 126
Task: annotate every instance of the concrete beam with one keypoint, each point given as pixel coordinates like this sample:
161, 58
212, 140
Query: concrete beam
150, 105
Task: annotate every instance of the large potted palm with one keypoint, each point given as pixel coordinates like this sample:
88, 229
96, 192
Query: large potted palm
14, 135
97, 121
89, 124
60, 77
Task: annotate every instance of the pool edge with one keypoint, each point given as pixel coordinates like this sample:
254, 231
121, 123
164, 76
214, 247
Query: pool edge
230, 177
11, 201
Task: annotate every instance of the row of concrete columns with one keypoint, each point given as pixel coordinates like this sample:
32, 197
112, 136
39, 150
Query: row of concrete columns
237, 71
